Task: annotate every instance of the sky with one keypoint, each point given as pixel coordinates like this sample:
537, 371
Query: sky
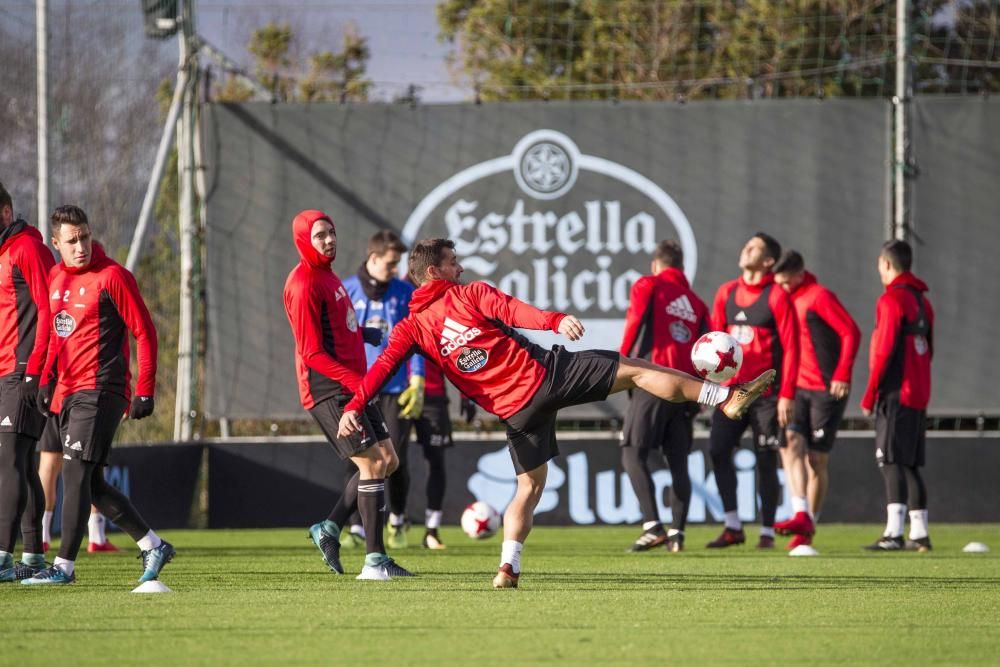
402, 37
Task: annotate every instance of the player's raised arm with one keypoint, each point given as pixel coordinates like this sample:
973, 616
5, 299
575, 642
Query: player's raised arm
498, 305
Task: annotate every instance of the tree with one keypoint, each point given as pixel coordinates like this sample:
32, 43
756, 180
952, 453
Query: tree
660, 49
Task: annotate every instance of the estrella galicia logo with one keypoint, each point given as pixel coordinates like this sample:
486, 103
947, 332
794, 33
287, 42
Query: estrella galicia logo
64, 324
471, 359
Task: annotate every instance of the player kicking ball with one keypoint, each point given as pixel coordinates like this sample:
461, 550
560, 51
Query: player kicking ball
469, 331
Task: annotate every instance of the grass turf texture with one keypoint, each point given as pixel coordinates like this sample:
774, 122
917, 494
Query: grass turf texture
264, 596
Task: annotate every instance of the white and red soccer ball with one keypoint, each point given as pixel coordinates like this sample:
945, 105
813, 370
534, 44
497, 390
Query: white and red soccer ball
480, 521
717, 356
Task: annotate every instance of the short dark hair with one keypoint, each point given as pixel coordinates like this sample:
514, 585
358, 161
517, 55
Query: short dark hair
771, 245
899, 254
791, 262
68, 215
5, 199
383, 241
425, 254
669, 253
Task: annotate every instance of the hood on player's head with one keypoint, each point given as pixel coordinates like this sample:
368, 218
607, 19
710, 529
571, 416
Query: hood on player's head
433, 259
315, 238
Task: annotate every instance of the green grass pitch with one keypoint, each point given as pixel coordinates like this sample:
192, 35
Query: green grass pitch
265, 597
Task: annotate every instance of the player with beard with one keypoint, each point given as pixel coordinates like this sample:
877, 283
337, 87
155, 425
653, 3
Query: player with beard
828, 342
24, 335
329, 364
760, 316
469, 331
664, 319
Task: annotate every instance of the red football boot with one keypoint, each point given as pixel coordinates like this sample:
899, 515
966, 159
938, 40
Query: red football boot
107, 547
800, 524
506, 577
799, 540
727, 538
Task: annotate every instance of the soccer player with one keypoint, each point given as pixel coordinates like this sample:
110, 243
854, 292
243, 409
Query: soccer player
329, 364
664, 319
760, 316
96, 304
468, 330
899, 388
381, 300
433, 429
24, 316
828, 342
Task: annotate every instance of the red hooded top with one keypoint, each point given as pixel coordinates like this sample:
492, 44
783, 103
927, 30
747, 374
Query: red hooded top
902, 345
93, 309
828, 336
25, 263
664, 319
764, 326
467, 330
329, 347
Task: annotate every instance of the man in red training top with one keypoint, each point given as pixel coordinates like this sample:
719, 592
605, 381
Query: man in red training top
664, 319
468, 330
828, 342
329, 365
898, 391
760, 316
95, 304
24, 336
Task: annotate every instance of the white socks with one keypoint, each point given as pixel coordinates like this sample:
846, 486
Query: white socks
150, 541
358, 529
95, 528
799, 504
918, 524
712, 393
733, 518
396, 520
432, 519
674, 532
65, 565
896, 517
767, 531
510, 552
650, 524
47, 526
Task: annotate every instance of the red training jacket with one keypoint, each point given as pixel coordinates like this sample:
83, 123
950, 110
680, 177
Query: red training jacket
766, 330
25, 263
329, 347
902, 345
467, 330
434, 378
828, 336
664, 319
93, 309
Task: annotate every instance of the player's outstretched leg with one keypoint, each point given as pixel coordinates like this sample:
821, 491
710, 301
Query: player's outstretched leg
677, 387
517, 522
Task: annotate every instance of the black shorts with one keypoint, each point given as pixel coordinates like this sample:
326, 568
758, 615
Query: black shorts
16, 416
571, 378
50, 440
761, 417
88, 422
398, 427
900, 433
374, 430
817, 418
652, 423
434, 426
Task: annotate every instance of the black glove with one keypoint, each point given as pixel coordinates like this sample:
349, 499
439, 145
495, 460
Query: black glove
372, 335
142, 407
43, 398
467, 409
29, 389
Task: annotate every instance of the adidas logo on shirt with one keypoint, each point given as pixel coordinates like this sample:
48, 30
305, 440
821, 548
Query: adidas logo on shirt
455, 335
741, 316
6, 421
681, 307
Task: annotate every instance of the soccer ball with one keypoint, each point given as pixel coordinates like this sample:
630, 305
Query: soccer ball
480, 521
717, 356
